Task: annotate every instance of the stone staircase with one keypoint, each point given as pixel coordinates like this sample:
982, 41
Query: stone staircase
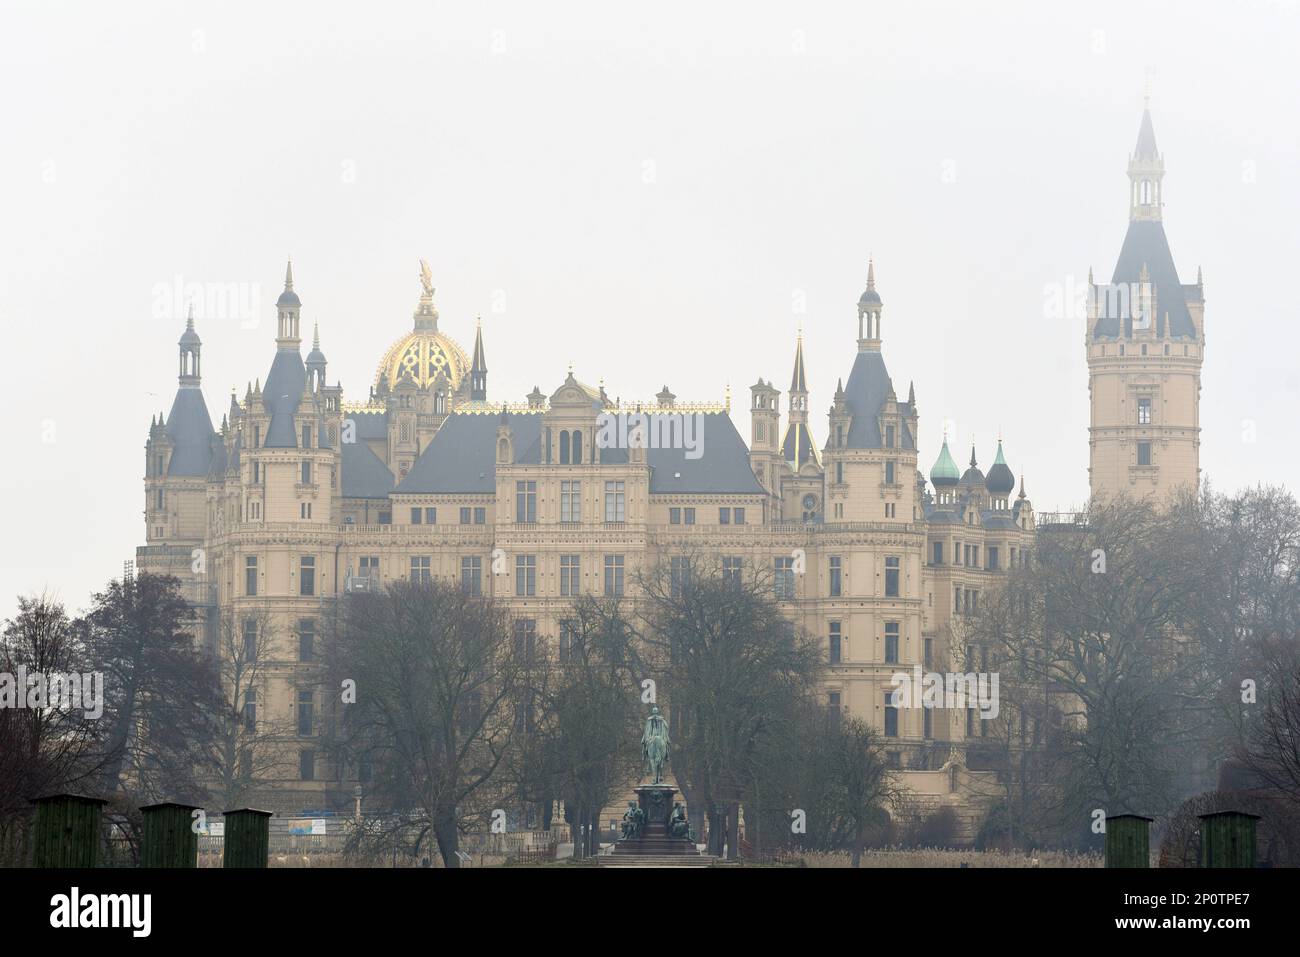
655, 860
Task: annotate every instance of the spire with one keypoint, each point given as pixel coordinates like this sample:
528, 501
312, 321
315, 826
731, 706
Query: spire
190, 346
478, 368
911, 394
1146, 169
798, 382
1146, 142
287, 308
869, 308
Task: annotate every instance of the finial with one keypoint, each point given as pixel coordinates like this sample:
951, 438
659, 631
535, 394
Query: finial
315, 335
1022, 485
478, 322
288, 274
871, 273
189, 321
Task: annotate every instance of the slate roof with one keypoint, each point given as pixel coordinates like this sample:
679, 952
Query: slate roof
282, 393
190, 429
1145, 242
364, 474
461, 458
370, 425
865, 393
797, 448
1146, 144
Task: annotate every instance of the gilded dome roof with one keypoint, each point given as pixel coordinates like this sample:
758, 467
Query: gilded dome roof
423, 353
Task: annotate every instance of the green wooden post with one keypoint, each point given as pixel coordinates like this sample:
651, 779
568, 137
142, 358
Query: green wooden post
168, 838
1128, 842
67, 830
247, 841
1228, 839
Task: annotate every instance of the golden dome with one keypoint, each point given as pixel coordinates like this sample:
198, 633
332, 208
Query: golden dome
423, 353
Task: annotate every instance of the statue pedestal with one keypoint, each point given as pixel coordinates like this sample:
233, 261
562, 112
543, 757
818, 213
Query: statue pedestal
654, 840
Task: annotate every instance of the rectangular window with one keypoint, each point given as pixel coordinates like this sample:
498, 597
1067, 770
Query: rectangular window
891, 716
250, 575
416, 515
430, 516
928, 659
688, 516
525, 638
614, 504
889, 472
306, 436
471, 575
369, 566
465, 515
674, 516
956, 599
1144, 453
250, 640
257, 473
1144, 411
731, 568
385, 516
992, 558
889, 436
480, 515
835, 643
250, 709
525, 576
570, 576
613, 576
570, 643
738, 516
833, 705
570, 501
306, 472
307, 639
525, 502
724, 516
679, 575
837, 579
304, 713
937, 549
891, 642
891, 577
306, 575
783, 579
839, 473
307, 765
420, 569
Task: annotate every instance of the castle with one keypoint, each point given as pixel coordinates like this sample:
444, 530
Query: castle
300, 497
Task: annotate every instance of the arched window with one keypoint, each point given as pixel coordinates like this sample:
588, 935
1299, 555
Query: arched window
564, 447
577, 447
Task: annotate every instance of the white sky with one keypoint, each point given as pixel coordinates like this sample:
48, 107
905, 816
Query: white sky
644, 192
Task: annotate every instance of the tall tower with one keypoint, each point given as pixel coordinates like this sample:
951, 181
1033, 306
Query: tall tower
1145, 342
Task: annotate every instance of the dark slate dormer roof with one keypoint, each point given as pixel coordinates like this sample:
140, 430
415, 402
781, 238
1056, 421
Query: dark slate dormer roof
282, 393
865, 393
364, 475
461, 458
1146, 243
370, 425
190, 429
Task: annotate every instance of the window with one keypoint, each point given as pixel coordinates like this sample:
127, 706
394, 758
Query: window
369, 566
783, 580
304, 510
250, 575
724, 516
304, 713
891, 716
564, 447
471, 575
928, 659
416, 514
889, 472
306, 575
158, 499
679, 570
956, 553
385, 517
889, 436
250, 640
306, 436
525, 638
577, 447
891, 577
480, 515
956, 599
465, 515
992, 558
1144, 411
731, 568
307, 765
839, 473
420, 570
257, 436
891, 642
835, 643
570, 643
1144, 453
525, 576
569, 575
306, 472
570, 501
937, 549
307, 639
614, 504
257, 473
836, 577
430, 516
525, 501
927, 723
738, 516
891, 510
250, 709
674, 516
689, 516
613, 576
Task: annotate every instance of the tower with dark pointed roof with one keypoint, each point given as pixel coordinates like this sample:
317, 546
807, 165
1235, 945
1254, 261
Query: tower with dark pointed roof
797, 447
1145, 346
478, 368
